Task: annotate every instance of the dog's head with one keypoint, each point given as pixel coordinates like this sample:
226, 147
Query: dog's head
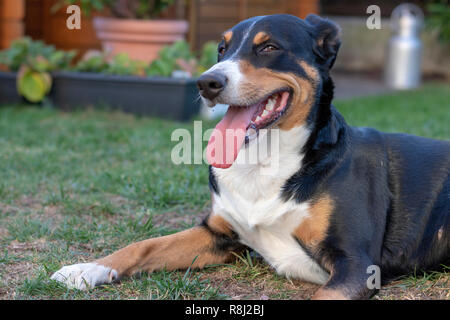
269, 71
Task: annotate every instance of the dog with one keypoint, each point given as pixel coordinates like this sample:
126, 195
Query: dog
344, 200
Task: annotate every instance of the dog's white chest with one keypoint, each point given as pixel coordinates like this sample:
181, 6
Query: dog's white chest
267, 227
251, 203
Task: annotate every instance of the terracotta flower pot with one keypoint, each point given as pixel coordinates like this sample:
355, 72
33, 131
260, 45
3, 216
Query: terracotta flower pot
11, 21
141, 39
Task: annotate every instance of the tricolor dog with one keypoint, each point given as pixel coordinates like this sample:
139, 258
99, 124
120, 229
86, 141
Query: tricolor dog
341, 200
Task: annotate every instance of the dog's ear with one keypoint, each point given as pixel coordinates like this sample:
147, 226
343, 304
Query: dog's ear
327, 39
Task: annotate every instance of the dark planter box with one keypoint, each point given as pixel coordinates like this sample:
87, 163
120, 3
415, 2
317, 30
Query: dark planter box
173, 98
8, 91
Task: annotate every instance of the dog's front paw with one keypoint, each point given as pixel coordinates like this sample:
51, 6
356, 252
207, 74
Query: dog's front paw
83, 276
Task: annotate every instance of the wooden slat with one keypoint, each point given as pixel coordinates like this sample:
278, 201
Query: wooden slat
193, 16
34, 19
215, 16
358, 8
218, 12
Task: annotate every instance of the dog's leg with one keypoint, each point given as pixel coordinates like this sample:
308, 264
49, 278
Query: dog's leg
348, 281
210, 243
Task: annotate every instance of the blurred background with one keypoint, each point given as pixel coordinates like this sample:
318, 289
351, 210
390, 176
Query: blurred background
111, 25
362, 54
362, 48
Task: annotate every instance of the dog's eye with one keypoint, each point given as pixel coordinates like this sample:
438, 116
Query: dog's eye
221, 50
269, 48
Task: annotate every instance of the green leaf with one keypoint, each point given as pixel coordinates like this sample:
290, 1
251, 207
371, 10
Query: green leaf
47, 78
35, 54
33, 85
39, 64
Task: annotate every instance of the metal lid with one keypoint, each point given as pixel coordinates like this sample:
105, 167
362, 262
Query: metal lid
407, 18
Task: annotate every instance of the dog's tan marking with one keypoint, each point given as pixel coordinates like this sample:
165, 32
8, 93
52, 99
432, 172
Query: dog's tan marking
313, 229
329, 294
440, 232
227, 35
219, 225
260, 37
301, 107
176, 251
320, 42
310, 71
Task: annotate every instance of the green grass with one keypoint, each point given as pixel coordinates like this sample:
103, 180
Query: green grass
422, 112
77, 186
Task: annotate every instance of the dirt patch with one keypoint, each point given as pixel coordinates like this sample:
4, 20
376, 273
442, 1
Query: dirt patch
177, 220
438, 289
3, 233
23, 203
37, 245
13, 273
257, 283
9, 209
31, 204
261, 288
12, 276
120, 201
261, 283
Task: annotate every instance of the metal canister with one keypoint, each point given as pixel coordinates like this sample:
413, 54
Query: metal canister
404, 56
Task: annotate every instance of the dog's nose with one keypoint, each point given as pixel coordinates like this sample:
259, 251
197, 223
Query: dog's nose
211, 84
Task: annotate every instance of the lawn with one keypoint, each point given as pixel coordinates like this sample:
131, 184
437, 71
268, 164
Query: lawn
77, 186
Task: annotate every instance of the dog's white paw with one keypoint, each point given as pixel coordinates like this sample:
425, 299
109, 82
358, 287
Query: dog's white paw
83, 276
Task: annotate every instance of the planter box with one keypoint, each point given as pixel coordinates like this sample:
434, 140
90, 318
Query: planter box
8, 91
171, 98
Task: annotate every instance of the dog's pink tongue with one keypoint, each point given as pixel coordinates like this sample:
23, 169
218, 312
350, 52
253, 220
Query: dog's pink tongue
228, 136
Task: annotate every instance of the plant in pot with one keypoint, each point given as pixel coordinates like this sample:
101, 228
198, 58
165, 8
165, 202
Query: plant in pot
30, 64
133, 26
178, 60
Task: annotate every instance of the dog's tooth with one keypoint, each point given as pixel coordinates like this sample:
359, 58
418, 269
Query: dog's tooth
265, 113
251, 133
258, 118
270, 104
